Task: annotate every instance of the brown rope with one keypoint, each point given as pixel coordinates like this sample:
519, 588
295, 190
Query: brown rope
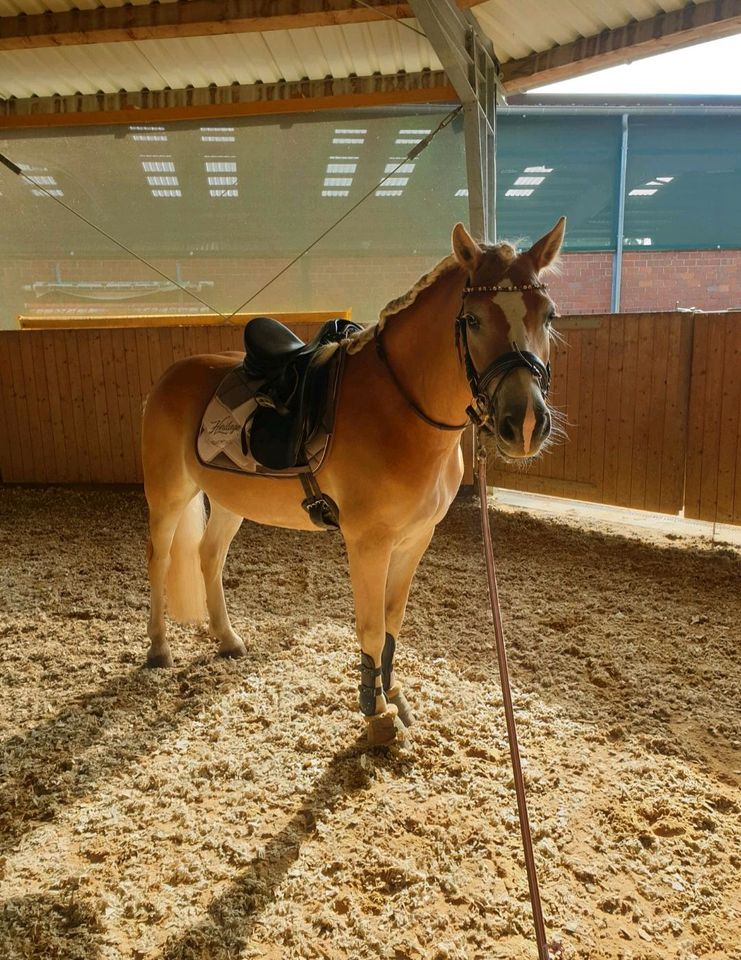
555, 950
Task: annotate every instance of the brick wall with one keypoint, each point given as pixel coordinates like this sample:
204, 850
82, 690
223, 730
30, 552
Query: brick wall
652, 280
583, 283
663, 280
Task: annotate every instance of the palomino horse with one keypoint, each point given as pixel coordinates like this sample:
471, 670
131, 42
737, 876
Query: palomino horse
477, 325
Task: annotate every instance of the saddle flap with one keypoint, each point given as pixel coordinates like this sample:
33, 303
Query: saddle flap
278, 436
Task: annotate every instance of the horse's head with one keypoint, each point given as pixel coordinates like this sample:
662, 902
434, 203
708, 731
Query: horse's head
504, 325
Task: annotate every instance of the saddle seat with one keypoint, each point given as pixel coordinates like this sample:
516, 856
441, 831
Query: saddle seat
270, 346
292, 390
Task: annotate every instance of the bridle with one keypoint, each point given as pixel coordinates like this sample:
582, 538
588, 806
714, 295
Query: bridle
479, 410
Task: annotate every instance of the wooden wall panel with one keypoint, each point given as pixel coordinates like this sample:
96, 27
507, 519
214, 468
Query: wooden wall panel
713, 475
72, 400
653, 403
623, 382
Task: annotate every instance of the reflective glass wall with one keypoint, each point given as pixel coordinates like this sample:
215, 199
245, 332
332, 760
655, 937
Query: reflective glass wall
223, 207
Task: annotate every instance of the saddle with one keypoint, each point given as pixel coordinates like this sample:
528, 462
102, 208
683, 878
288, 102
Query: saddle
292, 389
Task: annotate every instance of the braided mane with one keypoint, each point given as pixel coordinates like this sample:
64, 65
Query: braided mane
505, 252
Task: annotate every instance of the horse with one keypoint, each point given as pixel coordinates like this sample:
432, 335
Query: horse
470, 340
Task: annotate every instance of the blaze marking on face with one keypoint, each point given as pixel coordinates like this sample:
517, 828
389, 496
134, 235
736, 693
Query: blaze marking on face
514, 308
528, 424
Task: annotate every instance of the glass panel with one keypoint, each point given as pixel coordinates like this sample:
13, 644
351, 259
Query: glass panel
684, 183
222, 207
549, 167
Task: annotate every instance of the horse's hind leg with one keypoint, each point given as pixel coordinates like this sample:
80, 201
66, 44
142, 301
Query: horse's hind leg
221, 529
164, 519
402, 567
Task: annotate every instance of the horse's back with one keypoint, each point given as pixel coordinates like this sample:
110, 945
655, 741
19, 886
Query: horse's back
189, 382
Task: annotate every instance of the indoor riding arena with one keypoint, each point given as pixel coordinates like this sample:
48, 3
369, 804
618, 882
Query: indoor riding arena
168, 173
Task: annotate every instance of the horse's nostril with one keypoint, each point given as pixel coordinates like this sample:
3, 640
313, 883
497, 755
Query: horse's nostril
545, 425
507, 428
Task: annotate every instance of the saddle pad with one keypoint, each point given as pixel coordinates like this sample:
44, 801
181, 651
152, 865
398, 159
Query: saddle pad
224, 437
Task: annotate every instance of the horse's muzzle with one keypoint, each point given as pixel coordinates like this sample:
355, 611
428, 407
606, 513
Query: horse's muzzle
522, 427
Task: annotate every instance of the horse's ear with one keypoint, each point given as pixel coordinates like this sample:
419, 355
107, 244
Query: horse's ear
544, 251
467, 252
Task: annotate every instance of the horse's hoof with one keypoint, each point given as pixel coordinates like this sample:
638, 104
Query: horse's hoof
385, 728
232, 650
160, 659
402, 705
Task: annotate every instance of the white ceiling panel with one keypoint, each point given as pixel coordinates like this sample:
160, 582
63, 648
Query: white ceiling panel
516, 29
532, 26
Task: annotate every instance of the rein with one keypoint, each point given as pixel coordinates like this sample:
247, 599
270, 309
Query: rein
437, 424
477, 412
555, 951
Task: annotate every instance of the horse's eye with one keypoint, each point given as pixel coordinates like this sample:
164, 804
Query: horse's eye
550, 316
473, 323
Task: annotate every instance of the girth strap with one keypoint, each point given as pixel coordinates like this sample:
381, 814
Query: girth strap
323, 511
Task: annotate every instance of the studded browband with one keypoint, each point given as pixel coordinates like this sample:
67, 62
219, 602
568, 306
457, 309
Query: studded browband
495, 288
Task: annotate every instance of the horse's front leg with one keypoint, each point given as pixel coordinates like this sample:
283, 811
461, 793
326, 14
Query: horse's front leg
369, 557
402, 567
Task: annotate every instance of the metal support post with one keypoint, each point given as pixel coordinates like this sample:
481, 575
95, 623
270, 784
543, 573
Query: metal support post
468, 59
617, 262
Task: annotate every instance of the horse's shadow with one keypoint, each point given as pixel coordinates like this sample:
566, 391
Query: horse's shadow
49, 767
231, 917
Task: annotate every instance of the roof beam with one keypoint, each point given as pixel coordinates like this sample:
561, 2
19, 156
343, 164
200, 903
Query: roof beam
190, 18
221, 103
694, 23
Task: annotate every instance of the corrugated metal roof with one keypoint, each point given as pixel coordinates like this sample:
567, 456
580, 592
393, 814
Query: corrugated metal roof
516, 30
532, 26
362, 49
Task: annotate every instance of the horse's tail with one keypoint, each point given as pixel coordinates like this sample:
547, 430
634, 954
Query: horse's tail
185, 587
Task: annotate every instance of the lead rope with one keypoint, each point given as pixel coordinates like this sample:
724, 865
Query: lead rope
555, 951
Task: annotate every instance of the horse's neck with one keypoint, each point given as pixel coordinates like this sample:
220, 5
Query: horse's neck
421, 346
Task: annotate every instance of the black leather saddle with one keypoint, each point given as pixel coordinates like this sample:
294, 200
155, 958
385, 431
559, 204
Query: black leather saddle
293, 391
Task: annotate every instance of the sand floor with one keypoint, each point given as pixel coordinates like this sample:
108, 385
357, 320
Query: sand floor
229, 809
